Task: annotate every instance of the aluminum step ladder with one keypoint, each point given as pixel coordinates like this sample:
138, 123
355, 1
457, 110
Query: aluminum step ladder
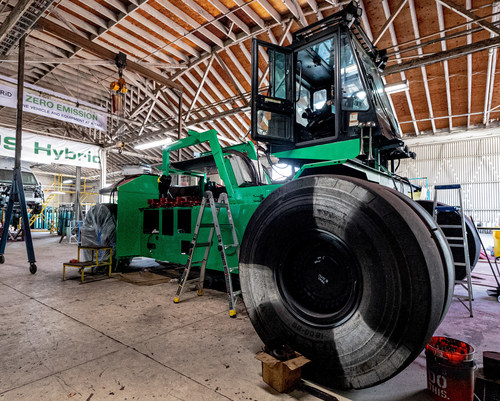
215, 226
463, 238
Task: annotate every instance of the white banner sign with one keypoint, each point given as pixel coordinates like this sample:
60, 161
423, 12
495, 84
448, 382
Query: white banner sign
51, 108
46, 150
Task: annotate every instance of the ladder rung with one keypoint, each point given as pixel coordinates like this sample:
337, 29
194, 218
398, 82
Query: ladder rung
197, 262
456, 245
460, 264
221, 205
202, 244
455, 238
231, 246
449, 186
450, 226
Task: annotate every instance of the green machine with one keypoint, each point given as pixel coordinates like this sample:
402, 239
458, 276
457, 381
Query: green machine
336, 261
164, 230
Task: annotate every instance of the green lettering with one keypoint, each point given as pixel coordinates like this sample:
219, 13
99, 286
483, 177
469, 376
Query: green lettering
39, 149
9, 143
29, 98
69, 154
58, 155
59, 106
96, 159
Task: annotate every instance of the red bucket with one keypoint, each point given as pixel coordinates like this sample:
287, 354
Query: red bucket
450, 369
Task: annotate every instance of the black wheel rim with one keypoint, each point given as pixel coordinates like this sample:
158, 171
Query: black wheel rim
319, 279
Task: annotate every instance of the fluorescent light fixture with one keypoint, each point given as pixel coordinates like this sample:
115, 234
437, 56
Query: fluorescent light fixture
58, 193
154, 144
396, 87
69, 181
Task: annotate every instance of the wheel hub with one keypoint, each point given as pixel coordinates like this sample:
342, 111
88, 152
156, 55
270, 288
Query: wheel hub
319, 279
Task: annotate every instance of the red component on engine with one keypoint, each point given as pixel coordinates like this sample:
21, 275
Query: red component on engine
180, 201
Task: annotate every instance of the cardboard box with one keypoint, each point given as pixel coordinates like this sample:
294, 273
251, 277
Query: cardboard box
281, 375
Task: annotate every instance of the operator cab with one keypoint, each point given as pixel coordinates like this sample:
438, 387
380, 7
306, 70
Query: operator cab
322, 87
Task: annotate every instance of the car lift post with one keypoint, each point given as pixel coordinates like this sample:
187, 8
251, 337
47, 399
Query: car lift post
17, 189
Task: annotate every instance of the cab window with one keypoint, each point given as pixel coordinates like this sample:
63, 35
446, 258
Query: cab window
303, 102
353, 93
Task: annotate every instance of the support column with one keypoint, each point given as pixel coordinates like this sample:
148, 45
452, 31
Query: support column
179, 135
102, 178
78, 206
20, 99
17, 189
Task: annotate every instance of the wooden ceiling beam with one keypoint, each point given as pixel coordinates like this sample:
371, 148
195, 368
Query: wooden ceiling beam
209, 17
468, 5
86, 14
440, 15
251, 13
49, 43
470, 15
117, 4
102, 52
172, 25
61, 16
186, 18
490, 80
297, 12
416, 32
387, 12
366, 23
271, 10
443, 55
230, 15
389, 21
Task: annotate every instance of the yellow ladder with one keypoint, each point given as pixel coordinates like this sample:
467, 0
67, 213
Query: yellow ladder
46, 203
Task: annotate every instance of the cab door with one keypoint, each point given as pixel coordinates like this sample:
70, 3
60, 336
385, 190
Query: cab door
272, 93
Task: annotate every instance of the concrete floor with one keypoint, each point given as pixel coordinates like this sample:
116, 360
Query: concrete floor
113, 340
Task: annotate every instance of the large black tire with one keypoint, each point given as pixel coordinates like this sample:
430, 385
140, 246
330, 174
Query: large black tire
453, 218
346, 274
442, 244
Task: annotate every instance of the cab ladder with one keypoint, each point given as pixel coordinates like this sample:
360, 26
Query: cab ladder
463, 239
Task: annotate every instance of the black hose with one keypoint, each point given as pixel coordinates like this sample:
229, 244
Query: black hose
248, 163
273, 166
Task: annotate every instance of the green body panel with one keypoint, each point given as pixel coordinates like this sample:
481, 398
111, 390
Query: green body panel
133, 196
328, 151
171, 242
